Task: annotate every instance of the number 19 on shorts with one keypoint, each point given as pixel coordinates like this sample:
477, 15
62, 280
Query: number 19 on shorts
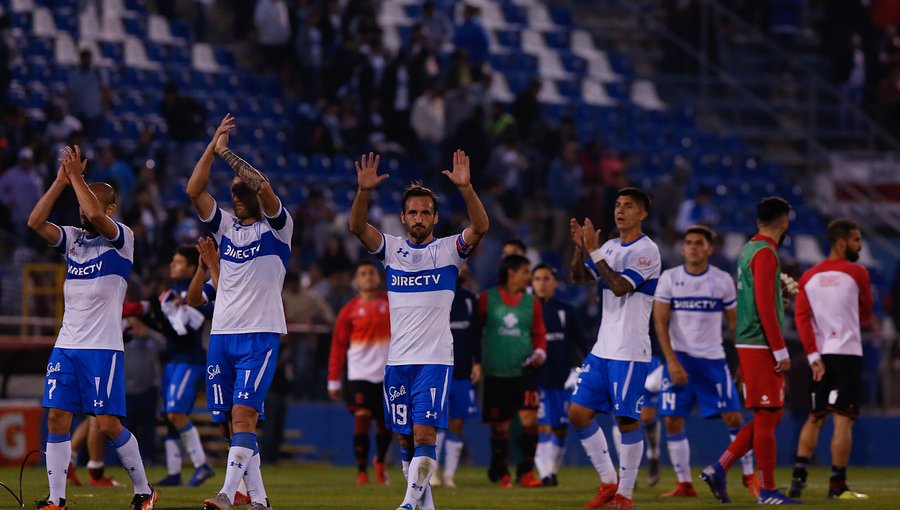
398, 414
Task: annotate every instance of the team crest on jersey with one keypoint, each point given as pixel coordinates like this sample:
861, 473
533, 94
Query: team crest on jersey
394, 393
51, 368
510, 320
644, 262
213, 371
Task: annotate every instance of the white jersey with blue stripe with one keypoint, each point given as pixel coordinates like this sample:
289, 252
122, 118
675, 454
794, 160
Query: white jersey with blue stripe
625, 327
253, 262
97, 272
697, 305
421, 284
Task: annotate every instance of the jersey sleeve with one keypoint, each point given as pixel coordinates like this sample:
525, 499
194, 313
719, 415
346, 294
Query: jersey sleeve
340, 343
803, 319
123, 242
218, 222
538, 328
462, 248
643, 266
209, 291
481, 313
764, 266
866, 303
729, 291
664, 288
388, 246
67, 236
281, 223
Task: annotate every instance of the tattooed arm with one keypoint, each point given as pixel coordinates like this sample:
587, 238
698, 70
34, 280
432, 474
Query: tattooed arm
252, 177
618, 284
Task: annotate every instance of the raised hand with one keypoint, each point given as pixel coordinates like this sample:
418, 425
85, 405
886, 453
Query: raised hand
208, 253
220, 138
590, 235
461, 175
71, 162
577, 235
61, 176
367, 172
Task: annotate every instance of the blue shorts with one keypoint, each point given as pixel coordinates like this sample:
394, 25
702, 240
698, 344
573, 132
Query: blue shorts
88, 380
416, 395
463, 402
554, 407
181, 382
709, 386
240, 369
651, 398
612, 386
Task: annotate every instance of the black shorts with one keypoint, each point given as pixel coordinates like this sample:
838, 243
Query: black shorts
365, 395
505, 396
840, 389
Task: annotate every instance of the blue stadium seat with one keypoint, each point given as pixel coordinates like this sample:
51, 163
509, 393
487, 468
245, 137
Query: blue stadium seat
515, 14
561, 15
509, 38
557, 40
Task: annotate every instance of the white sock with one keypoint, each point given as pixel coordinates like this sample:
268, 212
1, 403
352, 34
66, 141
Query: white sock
427, 502
747, 460
654, 434
631, 452
617, 442
452, 453
242, 446
126, 446
560, 453
545, 456
191, 438
173, 456
680, 455
421, 468
254, 482
594, 442
439, 446
59, 453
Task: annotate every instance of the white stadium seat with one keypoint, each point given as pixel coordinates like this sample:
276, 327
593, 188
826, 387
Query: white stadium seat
550, 93
136, 55
807, 250
203, 59
550, 66
89, 23
391, 14
539, 18
499, 90
594, 93
644, 94
22, 5
42, 22
158, 30
64, 51
600, 68
733, 244
112, 28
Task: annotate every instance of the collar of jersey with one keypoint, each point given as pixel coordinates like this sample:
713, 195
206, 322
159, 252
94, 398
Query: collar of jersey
419, 246
632, 242
684, 268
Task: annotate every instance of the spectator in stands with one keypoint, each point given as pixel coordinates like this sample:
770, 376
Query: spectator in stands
147, 152
437, 26
500, 120
563, 185
508, 162
889, 50
888, 94
372, 74
330, 25
428, 121
852, 77
15, 128
697, 211
111, 168
20, 189
471, 36
186, 120
309, 52
60, 125
459, 73
591, 160
273, 28
6, 56
88, 95
527, 109
472, 137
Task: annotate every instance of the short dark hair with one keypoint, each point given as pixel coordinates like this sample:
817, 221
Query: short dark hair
190, 253
841, 229
510, 263
703, 230
417, 189
637, 194
548, 267
518, 243
366, 262
770, 209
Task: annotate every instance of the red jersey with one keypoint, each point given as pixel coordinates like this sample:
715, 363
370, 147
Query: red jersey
834, 296
362, 334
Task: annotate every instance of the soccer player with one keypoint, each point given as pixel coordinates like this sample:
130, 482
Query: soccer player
421, 279
762, 353
612, 377
515, 346
465, 326
565, 353
86, 368
248, 318
835, 296
362, 334
688, 308
185, 367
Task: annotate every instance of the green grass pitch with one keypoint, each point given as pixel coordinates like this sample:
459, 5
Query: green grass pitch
325, 487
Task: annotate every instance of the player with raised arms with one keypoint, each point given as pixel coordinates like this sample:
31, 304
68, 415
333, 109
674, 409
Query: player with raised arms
248, 319
421, 273
86, 370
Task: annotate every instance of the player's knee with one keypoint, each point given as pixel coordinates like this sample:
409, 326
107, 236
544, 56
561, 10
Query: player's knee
425, 435
59, 421
627, 424
580, 417
732, 420
545, 429
675, 425
561, 432
178, 420
243, 419
109, 426
455, 427
528, 419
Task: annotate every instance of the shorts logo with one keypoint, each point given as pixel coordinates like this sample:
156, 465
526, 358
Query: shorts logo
98, 403
765, 399
213, 371
51, 368
243, 395
394, 393
431, 415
